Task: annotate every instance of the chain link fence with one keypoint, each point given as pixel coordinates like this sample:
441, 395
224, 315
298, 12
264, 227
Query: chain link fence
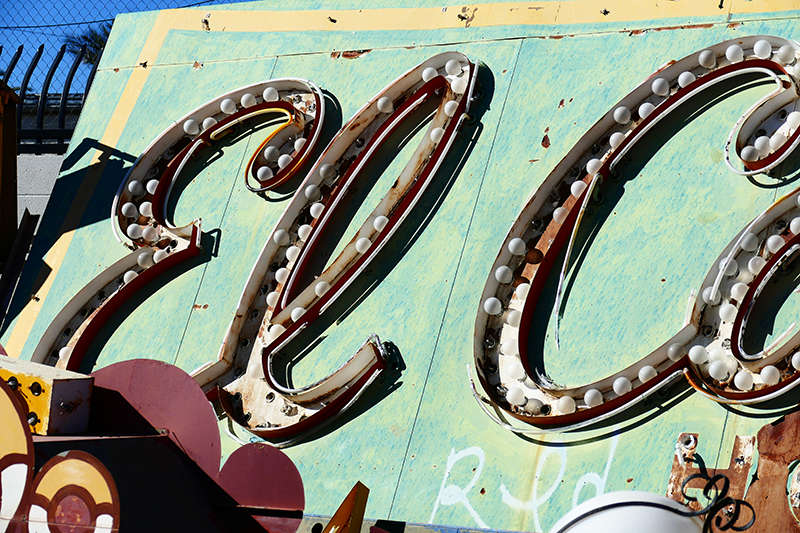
48, 52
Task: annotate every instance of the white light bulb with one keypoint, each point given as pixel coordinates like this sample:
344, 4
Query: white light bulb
248, 100
762, 145
593, 166
152, 185
775, 243
312, 192
622, 385
282, 275
522, 290
459, 85
510, 347
321, 288
228, 106
786, 54
385, 104
685, 78
515, 396
616, 139
129, 210
208, 123
717, 354
646, 373
517, 246
503, 274
718, 370
534, 406
160, 255
264, 173
793, 119
645, 109
727, 312
622, 115
146, 209
270, 94
292, 253
516, 370
750, 154
276, 330
675, 351
428, 74
271, 153
592, 398
514, 318
794, 225
150, 234
145, 258
710, 296
135, 188
129, 276
453, 67
756, 264
796, 361
284, 161
770, 375
304, 232
255, 368
565, 405
317, 209
437, 134
732, 365
762, 49
493, 306
299, 143
750, 242
272, 298
698, 354
743, 380
728, 268
327, 171
362, 245
281, 237
450, 108
777, 141
660, 87
190, 126
734, 53
64, 353
380, 222
134, 231
560, 215
738, 291
707, 59
577, 188
296, 313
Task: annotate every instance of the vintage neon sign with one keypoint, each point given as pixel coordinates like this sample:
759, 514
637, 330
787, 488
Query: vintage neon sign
276, 304
138, 210
762, 138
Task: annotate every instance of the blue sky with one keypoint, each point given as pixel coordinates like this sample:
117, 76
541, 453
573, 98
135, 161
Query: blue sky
35, 22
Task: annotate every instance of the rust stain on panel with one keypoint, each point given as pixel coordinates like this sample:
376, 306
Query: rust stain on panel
737, 471
777, 449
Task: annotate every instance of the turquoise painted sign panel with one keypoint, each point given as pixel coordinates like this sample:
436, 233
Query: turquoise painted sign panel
419, 440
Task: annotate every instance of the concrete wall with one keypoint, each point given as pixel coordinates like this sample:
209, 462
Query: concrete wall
36, 175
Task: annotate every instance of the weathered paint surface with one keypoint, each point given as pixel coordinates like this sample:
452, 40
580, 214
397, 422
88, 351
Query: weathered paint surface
421, 444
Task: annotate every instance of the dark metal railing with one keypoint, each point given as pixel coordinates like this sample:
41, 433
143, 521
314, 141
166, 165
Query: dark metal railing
34, 134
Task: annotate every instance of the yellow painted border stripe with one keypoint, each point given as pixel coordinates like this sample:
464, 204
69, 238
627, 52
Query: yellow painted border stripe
477, 16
